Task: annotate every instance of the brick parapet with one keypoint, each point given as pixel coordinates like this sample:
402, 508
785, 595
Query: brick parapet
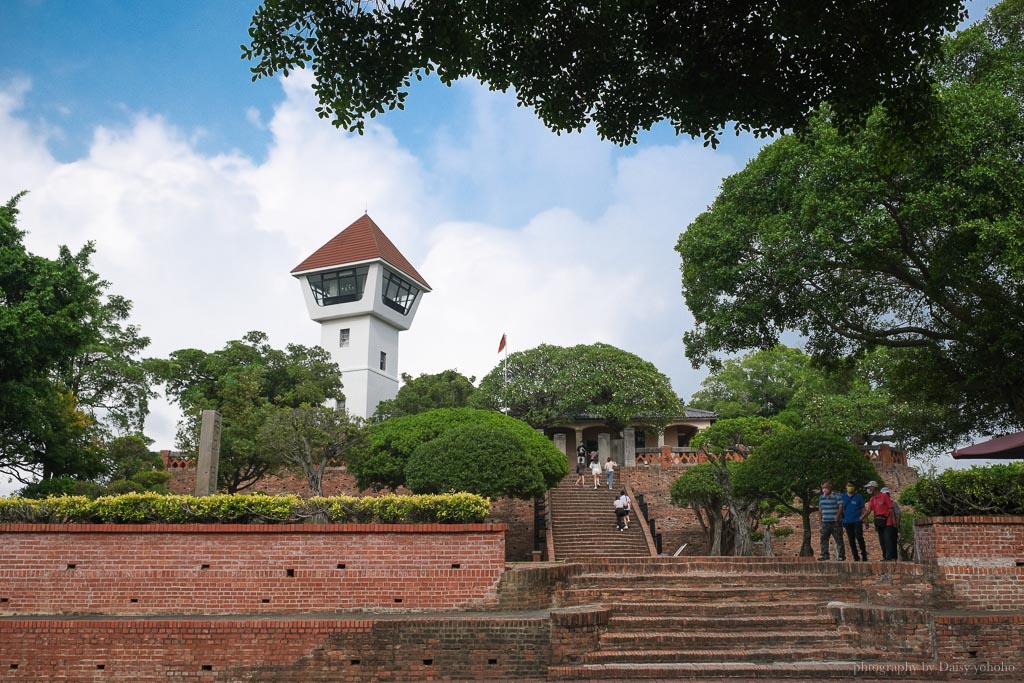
248, 569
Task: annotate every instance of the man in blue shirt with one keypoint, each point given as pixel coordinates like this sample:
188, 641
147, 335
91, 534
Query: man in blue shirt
852, 509
831, 522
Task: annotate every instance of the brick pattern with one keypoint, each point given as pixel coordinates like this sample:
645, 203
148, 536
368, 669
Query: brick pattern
981, 557
981, 646
247, 569
283, 651
517, 515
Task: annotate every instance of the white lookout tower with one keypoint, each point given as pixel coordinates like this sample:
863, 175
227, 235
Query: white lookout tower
363, 292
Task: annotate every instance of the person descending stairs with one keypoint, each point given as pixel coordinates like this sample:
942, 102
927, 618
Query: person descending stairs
583, 523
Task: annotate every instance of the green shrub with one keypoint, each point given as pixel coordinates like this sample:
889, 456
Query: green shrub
153, 480
478, 458
149, 507
122, 486
992, 490
58, 486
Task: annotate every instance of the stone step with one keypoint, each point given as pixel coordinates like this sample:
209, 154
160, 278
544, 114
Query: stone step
863, 671
783, 653
707, 595
712, 609
713, 624
744, 636
683, 580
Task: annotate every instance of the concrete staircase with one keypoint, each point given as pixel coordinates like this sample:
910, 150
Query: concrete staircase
766, 621
584, 527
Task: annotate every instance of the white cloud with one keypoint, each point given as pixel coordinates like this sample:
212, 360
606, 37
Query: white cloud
203, 244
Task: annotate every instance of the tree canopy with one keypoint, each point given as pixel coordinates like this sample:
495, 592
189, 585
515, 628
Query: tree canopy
462, 449
69, 371
245, 381
448, 389
549, 384
863, 241
791, 465
622, 67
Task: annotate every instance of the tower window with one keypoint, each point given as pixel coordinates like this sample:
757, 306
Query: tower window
398, 293
343, 337
339, 286
383, 361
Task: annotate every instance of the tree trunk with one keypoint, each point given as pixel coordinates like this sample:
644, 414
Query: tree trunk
718, 531
805, 548
742, 545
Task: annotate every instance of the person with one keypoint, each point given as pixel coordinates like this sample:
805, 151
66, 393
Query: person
581, 454
852, 510
581, 472
880, 505
895, 522
595, 469
831, 522
609, 469
620, 515
627, 505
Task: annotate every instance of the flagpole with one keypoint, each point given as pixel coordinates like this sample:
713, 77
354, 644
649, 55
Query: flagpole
504, 391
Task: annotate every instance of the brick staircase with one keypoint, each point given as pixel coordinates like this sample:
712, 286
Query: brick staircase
583, 523
766, 619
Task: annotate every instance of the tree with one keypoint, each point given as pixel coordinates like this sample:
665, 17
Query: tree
392, 456
310, 438
448, 389
791, 465
700, 488
620, 66
761, 383
723, 443
245, 381
862, 242
127, 456
549, 384
66, 363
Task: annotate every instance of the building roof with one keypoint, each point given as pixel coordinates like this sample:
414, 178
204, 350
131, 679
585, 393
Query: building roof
1008, 447
360, 242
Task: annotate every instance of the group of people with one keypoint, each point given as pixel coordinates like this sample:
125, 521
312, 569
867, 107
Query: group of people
849, 512
590, 463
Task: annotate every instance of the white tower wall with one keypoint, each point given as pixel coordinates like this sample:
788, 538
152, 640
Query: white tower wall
373, 329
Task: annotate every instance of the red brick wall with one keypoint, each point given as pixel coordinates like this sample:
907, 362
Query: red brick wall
284, 651
982, 557
981, 646
971, 541
247, 569
517, 515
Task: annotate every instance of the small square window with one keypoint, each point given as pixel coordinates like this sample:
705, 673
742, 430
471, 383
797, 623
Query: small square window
383, 361
343, 337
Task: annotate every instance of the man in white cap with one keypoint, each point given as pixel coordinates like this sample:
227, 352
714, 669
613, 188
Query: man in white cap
880, 505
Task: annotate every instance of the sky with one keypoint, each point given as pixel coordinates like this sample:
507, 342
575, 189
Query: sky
137, 126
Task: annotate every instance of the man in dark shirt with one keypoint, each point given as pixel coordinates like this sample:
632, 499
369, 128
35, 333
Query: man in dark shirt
852, 510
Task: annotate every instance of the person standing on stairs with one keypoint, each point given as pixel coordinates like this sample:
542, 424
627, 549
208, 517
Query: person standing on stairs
852, 510
620, 515
626, 505
595, 469
609, 469
831, 523
581, 471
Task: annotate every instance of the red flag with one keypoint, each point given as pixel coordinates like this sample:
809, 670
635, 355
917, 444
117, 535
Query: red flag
501, 346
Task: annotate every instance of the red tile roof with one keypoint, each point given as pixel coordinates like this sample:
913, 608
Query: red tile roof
361, 241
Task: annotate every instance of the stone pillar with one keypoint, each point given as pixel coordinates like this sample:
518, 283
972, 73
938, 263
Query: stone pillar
629, 446
560, 443
661, 438
209, 453
604, 446
579, 437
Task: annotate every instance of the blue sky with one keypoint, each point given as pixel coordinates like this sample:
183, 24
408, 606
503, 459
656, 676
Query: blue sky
137, 125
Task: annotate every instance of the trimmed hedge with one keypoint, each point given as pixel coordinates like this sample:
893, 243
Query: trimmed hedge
993, 490
141, 508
